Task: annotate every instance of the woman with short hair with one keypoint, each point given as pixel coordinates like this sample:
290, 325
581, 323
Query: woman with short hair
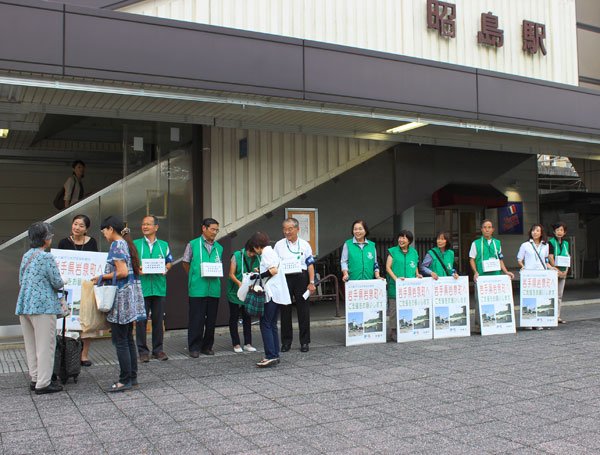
37, 307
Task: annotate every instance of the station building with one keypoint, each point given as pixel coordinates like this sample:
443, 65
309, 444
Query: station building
417, 114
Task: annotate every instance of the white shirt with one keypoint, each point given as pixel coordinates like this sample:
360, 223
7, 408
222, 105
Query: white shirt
527, 254
476, 248
276, 287
291, 250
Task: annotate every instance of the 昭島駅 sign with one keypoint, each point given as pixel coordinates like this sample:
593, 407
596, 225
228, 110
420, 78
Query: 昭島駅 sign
414, 300
366, 302
496, 305
539, 298
451, 307
75, 267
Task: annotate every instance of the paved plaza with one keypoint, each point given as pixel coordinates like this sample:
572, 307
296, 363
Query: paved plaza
530, 393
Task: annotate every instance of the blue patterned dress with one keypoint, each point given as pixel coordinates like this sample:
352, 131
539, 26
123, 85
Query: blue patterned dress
129, 302
39, 279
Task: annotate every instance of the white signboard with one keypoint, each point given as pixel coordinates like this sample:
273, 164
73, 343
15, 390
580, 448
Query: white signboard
75, 267
154, 266
451, 307
366, 302
496, 305
211, 269
539, 298
414, 302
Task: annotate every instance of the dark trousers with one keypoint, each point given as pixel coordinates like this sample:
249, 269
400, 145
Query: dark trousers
122, 339
154, 307
268, 330
297, 285
235, 312
202, 317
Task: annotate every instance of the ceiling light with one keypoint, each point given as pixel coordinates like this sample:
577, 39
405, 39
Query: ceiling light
3, 133
406, 127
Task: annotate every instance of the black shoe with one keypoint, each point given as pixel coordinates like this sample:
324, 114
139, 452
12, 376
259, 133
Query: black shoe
86, 363
285, 347
207, 352
52, 388
304, 348
194, 354
32, 386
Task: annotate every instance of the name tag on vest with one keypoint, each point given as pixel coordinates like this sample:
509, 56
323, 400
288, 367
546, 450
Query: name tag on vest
211, 269
562, 261
491, 265
153, 266
291, 265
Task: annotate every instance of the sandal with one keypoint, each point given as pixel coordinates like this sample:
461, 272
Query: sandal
118, 387
562, 321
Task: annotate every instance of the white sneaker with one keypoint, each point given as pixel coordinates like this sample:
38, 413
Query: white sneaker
249, 348
238, 349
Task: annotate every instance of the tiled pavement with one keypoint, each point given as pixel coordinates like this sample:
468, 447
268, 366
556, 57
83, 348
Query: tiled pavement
530, 393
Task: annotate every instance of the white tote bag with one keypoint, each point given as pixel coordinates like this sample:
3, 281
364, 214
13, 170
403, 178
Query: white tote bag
105, 296
243, 289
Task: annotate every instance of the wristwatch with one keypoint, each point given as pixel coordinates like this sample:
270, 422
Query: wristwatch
312, 282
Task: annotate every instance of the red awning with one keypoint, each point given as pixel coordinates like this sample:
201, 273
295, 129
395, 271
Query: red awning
484, 195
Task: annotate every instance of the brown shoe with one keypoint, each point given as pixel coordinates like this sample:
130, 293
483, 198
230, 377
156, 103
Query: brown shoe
160, 356
144, 358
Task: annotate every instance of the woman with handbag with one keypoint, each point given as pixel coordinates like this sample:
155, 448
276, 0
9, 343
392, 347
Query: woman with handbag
276, 293
124, 265
37, 307
80, 241
243, 262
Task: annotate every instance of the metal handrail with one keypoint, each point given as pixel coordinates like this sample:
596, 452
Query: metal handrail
333, 278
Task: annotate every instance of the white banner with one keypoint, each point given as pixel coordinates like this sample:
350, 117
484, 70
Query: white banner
366, 302
414, 301
75, 267
451, 307
496, 305
539, 298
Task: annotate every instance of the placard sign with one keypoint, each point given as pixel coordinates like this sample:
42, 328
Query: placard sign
451, 307
75, 267
211, 269
153, 266
366, 302
496, 305
414, 302
539, 298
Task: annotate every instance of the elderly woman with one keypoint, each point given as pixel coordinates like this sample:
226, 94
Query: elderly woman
123, 264
37, 307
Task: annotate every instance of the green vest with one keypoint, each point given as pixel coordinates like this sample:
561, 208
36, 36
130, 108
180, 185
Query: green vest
445, 268
361, 261
560, 250
154, 284
249, 265
490, 251
198, 286
404, 265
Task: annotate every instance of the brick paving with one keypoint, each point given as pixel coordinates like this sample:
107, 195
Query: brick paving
535, 392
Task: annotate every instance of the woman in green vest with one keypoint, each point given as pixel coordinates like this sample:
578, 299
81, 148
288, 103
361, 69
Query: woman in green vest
561, 259
359, 256
244, 261
402, 262
439, 261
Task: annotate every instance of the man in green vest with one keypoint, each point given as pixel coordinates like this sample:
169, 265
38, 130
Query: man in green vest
485, 255
202, 261
156, 260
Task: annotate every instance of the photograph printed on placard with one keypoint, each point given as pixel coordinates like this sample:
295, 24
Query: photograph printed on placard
442, 321
373, 321
546, 309
355, 324
421, 318
405, 320
504, 315
528, 306
459, 318
488, 315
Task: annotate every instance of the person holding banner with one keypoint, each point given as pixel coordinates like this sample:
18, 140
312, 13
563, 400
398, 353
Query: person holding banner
123, 264
156, 261
402, 262
242, 262
298, 265
202, 262
80, 241
439, 261
560, 258
485, 255
359, 255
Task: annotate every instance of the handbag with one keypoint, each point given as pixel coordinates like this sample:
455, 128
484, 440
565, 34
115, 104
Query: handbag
64, 304
106, 294
90, 318
242, 291
256, 298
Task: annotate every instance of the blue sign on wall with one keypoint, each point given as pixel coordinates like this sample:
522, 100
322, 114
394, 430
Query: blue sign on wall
510, 218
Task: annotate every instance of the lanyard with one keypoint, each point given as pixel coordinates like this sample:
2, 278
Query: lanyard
537, 252
159, 247
488, 247
201, 244
290, 250
243, 257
